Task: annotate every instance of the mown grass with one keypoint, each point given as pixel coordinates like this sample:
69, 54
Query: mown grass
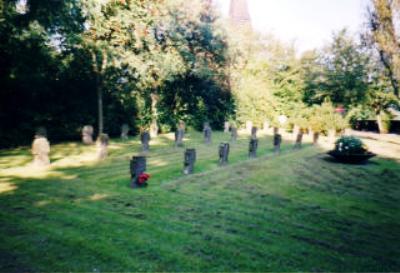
298, 211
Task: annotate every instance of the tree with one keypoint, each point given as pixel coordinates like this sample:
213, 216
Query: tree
343, 77
382, 24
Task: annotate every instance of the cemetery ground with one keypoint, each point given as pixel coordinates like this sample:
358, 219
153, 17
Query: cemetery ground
297, 211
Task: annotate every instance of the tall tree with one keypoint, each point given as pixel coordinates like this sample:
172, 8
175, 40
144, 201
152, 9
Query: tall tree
343, 73
383, 27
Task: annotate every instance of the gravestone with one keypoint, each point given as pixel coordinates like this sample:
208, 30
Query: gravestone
254, 132
40, 150
315, 138
277, 143
189, 160
223, 153
253, 145
299, 139
180, 134
145, 140
226, 127
137, 167
102, 146
234, 134
87, 135
124, 131
249, 126
207, 133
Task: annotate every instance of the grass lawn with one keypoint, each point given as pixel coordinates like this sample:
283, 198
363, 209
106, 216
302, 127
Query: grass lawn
294, 212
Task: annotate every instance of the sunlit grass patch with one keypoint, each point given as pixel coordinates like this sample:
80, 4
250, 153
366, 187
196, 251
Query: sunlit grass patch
297, 211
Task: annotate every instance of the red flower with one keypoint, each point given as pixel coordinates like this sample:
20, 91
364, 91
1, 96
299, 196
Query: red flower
143, 177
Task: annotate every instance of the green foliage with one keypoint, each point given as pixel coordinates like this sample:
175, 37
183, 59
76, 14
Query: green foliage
60, 59
348, 145
339, 73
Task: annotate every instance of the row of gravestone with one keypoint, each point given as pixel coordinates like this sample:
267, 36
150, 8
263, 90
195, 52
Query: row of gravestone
41, 146
138, 163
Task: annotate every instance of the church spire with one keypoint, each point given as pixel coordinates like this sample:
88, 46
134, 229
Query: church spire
239, 12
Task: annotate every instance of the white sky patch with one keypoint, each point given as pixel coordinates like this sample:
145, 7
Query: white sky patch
309, 23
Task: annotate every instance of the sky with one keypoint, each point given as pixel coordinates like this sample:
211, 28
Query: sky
309, 23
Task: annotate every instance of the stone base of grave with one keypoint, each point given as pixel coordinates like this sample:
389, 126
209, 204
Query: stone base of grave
137, 167
223, 153
189, 160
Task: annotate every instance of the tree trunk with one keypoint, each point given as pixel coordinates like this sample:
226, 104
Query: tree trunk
381, 126
100, 105
154, 113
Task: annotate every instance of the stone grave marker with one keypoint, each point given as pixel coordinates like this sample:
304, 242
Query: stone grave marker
40, 150
277, 143
223, 153
87, 135
180, 134
226, 127
189, 160
234, 134
145, 140
124, 131
253, 145
102, 146
207, 133
137, 167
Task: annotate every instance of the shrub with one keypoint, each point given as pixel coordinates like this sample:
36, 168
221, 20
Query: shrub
347, 145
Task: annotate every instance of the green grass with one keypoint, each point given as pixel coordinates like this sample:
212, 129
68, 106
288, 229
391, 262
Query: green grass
294, 212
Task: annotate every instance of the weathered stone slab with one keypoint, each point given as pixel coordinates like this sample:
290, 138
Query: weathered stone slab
253, 145
226, 127
234, 134
189, 160
137, 167
277, 143
125, 131
40, 150
87, 134
145, 140
102, 146
223, 153
207, 133
180, 134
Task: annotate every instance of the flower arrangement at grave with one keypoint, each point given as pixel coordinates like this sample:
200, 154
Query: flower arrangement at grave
143, 178
350, 149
